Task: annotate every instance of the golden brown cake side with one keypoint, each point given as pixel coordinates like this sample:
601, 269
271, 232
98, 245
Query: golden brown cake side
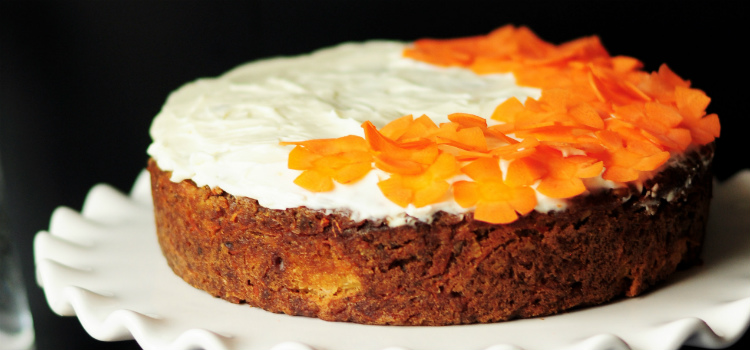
453, 271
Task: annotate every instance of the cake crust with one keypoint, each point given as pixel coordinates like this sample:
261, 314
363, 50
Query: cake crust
455, 270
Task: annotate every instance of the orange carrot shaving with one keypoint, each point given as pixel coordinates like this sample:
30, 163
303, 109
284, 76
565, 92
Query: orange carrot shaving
555, 133
467, 120
561, 187
598, 115
586, 115
406, 158
466, 193
483, 170
422, 189
664, 114
422, 127
395, 129
471, 139
496, 134
677, 139
692, 105
625, 64
301, 158
507, 111
562, 178
711, 125
661, 85
462, 154
524, 172
590, 170
495, 201
620, 174
516, 150
314, 181
345, 160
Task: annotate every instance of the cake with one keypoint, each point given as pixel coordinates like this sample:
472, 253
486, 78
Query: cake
438, 182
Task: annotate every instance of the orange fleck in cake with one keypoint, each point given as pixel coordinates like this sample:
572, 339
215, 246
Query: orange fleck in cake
437, 182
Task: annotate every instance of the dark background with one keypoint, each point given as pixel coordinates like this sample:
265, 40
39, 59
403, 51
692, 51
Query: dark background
81, 81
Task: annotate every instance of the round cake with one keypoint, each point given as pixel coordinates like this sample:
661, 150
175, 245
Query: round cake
437, 182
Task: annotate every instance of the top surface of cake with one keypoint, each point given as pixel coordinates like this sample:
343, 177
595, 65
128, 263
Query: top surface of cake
226, 132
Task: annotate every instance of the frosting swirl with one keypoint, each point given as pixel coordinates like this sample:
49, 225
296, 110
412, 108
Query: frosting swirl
224, 132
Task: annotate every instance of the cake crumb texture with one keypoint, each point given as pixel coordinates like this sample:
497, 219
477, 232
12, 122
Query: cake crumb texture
456, 270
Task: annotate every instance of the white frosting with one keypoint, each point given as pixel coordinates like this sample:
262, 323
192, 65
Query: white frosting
225, 131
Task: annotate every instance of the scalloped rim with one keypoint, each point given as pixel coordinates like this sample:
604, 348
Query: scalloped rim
103, 265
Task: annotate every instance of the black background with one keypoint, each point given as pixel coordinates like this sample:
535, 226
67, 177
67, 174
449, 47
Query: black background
81, 81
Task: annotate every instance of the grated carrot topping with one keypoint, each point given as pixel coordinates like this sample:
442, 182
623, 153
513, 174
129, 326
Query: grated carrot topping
598, 115
421, 189
494, 199
345, 160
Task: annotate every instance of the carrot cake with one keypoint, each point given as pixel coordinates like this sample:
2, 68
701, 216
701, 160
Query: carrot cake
438, 182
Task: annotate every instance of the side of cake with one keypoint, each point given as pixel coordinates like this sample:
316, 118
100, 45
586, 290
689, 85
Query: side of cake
456, 270
261, 197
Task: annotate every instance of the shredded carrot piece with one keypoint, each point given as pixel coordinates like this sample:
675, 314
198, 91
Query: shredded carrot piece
345, 160
395, 129
314, 181
462, 154
301, 158
711, 125
483, 170
692, 105
422, 189
516, 150
598, 115
470, 139
625, 64
586, 171
620, 174
677, 139
664, 114
466, 193
562, 175
467, 120
420, 128
525, 172
587, 115
561, 187
507, 111
495, 200
405, 158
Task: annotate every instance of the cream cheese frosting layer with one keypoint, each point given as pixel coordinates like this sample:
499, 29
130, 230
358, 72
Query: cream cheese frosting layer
225, 132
